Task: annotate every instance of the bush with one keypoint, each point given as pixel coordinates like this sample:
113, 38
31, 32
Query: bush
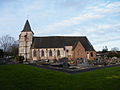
63, 59
19, 59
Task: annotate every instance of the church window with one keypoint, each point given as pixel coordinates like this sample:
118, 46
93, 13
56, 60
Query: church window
67, 50
34, 53
25, 37
91, 54
58, 52
50, 53
42, 53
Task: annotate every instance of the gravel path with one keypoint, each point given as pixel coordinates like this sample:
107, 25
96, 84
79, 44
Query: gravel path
74, 71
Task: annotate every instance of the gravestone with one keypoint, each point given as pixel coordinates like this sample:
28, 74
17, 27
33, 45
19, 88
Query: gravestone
65, 63
80, 61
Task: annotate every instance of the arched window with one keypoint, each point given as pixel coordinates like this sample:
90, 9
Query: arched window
91, 54
50, 53
34, 53
42, 53
67, 51
58, 52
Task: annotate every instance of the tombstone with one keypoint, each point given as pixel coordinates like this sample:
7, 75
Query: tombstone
66, 65
62, 60
80, 60
85, 63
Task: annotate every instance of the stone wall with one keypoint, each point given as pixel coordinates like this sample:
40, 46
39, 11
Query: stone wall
47, 55
91, 55
25, 41
79, 51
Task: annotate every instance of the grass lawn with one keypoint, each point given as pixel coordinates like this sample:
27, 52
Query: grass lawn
24, 77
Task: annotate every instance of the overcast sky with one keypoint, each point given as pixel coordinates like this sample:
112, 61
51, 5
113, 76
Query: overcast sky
99, 20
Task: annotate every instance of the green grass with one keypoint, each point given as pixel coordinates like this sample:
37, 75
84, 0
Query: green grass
24, 77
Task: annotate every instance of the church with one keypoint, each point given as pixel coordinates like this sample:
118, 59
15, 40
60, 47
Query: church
53, 47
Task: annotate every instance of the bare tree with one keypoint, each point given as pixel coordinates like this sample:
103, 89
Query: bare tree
13, 49
6, 41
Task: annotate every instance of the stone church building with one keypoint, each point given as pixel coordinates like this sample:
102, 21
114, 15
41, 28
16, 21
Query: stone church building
53, 47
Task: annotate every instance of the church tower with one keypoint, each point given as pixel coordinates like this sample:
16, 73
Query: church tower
25, 41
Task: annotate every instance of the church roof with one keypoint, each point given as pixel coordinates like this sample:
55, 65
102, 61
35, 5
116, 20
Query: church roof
27, 27
60, 42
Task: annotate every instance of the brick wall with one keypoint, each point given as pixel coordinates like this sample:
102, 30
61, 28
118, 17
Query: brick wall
79, 52
92, 55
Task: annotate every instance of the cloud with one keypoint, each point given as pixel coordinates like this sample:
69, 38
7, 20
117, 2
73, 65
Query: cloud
96, 19
90, 13
70, 22
32, 7
72, 4
114, 5
106, 7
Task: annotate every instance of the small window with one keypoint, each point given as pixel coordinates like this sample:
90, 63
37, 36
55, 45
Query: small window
67, 50
50, 53
25, 37
34, 53
42, 53
58, 52
91, 54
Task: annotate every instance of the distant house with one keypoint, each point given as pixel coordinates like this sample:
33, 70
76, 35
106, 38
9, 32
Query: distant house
54, 47
1, 53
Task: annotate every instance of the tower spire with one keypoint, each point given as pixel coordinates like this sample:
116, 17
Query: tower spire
27, 27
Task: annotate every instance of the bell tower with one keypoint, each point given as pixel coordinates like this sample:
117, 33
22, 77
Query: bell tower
25, 41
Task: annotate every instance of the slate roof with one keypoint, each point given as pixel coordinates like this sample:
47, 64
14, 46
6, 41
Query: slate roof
60, 42
27, 27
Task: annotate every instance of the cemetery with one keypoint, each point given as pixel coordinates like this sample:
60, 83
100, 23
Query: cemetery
76, 65
66, 65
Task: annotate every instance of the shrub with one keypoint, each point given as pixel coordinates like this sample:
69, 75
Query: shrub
19, 59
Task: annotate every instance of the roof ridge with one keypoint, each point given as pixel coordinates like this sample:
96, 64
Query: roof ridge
59, 36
